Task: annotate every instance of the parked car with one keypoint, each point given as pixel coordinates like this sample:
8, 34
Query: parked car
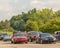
33, 35
45, 38
57, 35
7, 37
2, 35
19, 38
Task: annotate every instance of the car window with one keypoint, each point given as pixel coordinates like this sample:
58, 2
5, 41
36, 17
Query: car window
58, 33
34, 33
46, 35
19, 35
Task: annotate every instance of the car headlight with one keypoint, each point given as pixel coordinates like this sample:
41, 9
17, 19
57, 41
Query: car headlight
46, 38
54, 38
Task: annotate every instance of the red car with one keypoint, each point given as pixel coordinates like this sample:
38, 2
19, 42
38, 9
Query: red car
18, 38
33, 35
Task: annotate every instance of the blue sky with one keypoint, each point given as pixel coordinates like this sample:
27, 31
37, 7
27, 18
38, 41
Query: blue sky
8, 8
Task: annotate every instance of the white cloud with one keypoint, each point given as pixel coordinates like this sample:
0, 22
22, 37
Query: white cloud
45, 4
34, 2
16, 1
37, 4
5, 7
8, 8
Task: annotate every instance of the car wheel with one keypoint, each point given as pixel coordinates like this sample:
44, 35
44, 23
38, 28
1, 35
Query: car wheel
26, 42
4, 40
30, 40
12, 42
37, 41
54, 42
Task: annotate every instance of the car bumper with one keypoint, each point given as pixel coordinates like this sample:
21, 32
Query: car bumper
20, 41
6, 39
49, 41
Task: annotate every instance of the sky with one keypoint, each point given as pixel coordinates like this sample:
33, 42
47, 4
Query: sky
9, 8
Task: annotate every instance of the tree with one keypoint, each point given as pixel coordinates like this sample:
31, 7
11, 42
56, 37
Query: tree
32, 26
2, 25
57, 13
46, 14
18, 23
45, 20
52, 26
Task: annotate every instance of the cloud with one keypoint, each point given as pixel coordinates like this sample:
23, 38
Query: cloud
39, 4
8, 8
33, 2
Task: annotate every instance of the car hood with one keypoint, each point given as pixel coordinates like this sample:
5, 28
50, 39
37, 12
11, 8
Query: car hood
7, 37
49, 37
20, 37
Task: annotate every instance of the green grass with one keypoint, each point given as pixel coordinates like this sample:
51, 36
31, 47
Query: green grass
8, 32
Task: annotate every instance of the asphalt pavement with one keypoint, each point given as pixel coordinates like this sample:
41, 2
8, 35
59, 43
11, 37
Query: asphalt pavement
7, 44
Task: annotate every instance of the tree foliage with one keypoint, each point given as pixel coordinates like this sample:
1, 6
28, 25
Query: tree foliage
45, 20
32, 26
5, 25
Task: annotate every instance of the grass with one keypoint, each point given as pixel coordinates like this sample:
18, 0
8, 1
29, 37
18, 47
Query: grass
8, 32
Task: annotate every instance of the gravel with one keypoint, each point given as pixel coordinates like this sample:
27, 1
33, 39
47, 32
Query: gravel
29, 45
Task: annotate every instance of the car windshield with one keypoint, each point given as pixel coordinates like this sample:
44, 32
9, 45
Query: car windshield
19, 35
34, 33
46, 35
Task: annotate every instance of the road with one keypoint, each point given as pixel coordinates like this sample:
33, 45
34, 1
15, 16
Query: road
29, 45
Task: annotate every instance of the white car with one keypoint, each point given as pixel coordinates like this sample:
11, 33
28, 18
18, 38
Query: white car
7, 37
57, 35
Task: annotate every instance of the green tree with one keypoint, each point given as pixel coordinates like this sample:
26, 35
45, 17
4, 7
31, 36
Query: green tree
32, 26
57, 13
52, 26
46, 14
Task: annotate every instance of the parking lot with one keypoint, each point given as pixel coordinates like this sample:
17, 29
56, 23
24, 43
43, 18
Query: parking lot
33, 44
7, 44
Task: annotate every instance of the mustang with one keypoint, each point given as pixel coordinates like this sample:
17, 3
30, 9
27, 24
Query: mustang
18, 38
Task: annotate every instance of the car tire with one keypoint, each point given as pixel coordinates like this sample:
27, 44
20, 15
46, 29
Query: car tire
36, 41
54, 43
26, 42
30, 40
4, 40
11, 41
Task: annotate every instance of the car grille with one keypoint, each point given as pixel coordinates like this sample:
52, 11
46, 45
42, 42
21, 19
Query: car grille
49, 38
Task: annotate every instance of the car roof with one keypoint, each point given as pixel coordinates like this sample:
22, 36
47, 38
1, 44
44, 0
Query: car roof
45, 33
20, 33
34, 32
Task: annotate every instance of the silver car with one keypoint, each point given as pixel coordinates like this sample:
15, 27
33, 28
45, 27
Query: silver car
7, 37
